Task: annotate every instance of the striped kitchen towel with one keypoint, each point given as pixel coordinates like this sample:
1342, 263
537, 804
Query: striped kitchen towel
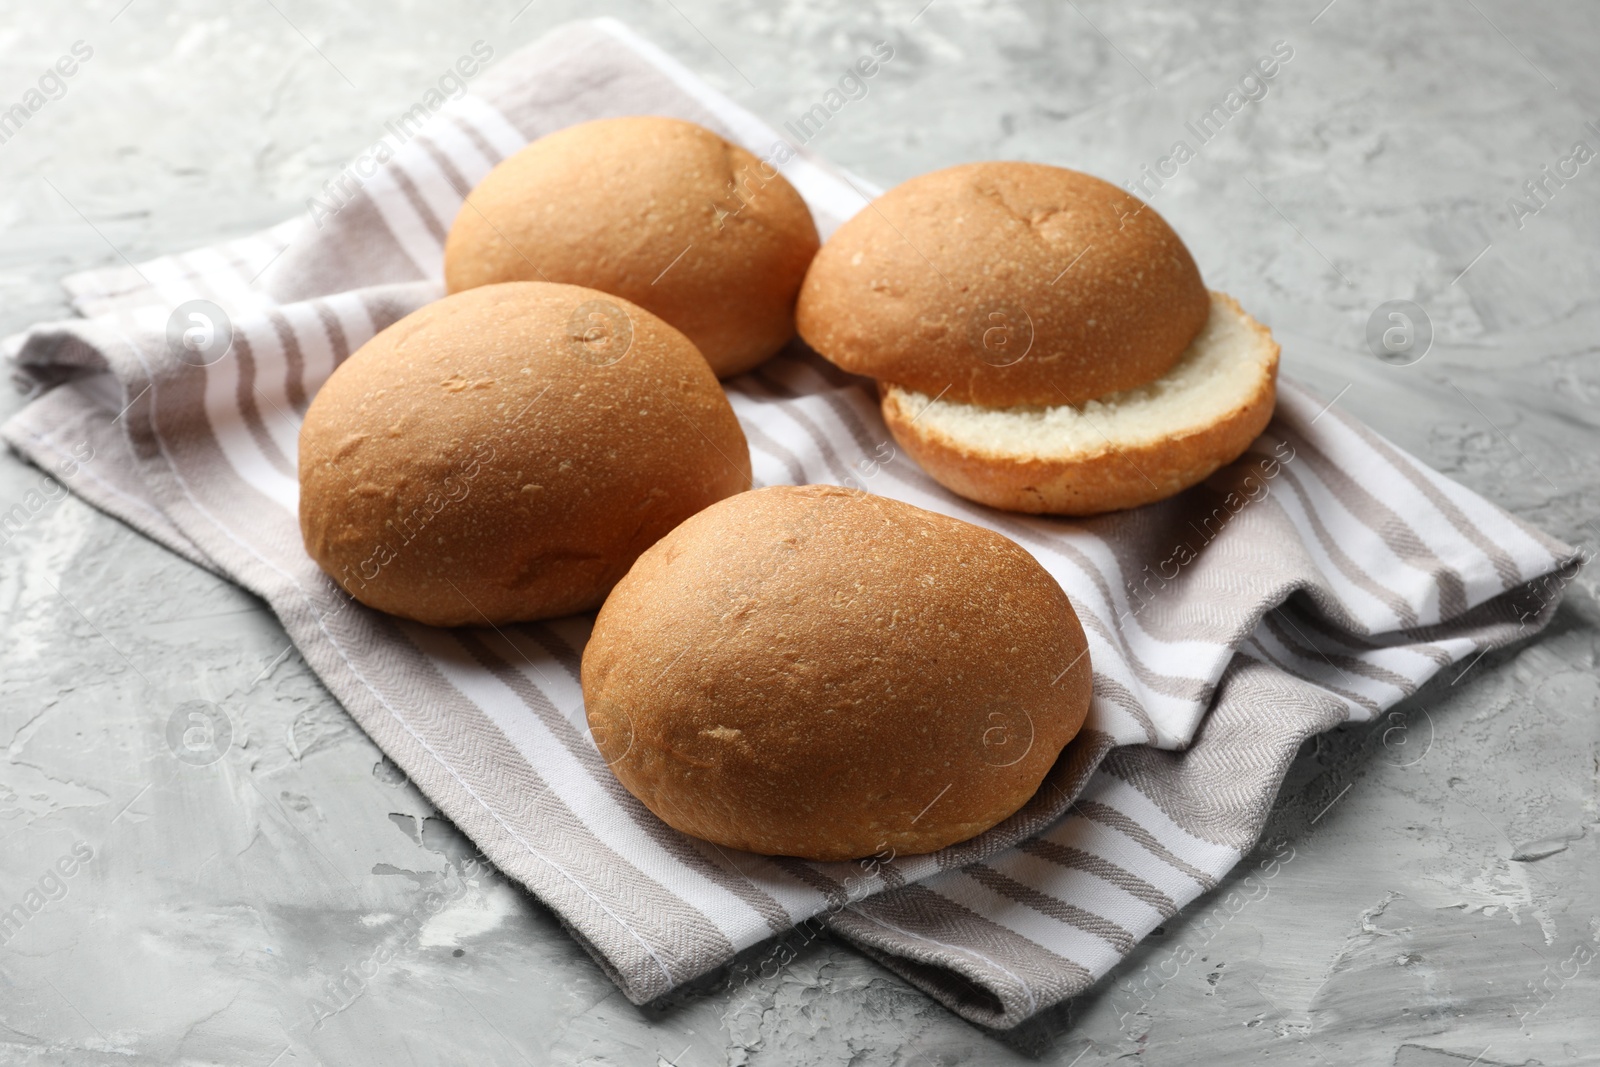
1318, 580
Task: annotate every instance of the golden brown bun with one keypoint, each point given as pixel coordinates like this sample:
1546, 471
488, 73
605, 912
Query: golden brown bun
659, 211
947, 276
814, 671
1117, 452
506, 453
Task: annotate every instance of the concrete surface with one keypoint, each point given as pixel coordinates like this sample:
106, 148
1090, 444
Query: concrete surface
221, 903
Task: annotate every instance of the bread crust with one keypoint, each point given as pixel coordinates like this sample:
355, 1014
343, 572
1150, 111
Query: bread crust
1115, 477
659, 211
497, 456
862, 675
1003, 284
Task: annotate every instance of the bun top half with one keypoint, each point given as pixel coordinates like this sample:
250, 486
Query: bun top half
1005, 284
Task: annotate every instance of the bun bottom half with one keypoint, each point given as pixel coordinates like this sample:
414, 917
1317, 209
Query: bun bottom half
1118, 451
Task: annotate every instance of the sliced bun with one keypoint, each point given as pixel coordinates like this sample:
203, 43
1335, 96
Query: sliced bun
1119, 451
658, 211
813, 671
506, 453
1004, 284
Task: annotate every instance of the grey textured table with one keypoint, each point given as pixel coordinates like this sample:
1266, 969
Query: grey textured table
1438, 899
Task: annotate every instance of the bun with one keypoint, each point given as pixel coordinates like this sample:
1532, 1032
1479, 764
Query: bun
506, 453
655, 210
813, 671
1004, 284
1119, 451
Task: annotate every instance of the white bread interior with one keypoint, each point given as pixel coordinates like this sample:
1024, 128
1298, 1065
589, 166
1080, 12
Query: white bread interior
1114, 452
